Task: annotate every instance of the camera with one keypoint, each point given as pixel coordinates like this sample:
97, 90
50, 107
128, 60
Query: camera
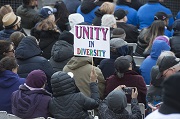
128, 90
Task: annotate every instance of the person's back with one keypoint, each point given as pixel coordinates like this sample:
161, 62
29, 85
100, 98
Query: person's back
9, 82
145, 19
113, 107
31, 100
75, 104
124, 75
29, 58
145, 68
87, 9
28, 14
132, 13
81, 68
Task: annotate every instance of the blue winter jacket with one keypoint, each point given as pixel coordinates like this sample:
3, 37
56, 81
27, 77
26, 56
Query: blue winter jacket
145, 14
9, 82
132, 14
145, 68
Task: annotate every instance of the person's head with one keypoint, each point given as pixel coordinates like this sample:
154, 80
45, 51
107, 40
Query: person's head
75, 19
16, 38
121, 15
63, 84
156, 29
116, 101
154, 81
176, 25
163, 38
118, 33
107, 8
163, 17
11, 21
122, 64
4, 10
9, 63
6, 48
170, 94
108, 20
31, 3
36, 79
168, 65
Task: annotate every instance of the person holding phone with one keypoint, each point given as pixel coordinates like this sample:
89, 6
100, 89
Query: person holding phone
113, 107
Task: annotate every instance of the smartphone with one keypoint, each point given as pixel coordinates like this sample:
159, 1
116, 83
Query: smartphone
128, 90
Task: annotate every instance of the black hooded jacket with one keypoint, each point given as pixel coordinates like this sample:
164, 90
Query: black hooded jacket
29, 58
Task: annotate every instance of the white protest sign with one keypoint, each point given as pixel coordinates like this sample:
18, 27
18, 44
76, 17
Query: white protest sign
93, 41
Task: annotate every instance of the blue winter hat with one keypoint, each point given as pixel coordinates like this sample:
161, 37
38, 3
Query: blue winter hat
46, 11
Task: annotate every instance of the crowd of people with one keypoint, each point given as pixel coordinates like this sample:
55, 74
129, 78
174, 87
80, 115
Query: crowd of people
41, 77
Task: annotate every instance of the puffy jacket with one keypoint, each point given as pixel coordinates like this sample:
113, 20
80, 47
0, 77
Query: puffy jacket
9, 82
29, 16
29, 58
61, 53
175, 43
113, 107
28, 103
81, 68
67, 101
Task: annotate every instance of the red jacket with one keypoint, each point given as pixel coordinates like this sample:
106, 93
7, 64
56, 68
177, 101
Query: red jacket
130, 79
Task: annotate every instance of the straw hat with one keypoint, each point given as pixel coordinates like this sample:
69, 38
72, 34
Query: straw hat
10, 19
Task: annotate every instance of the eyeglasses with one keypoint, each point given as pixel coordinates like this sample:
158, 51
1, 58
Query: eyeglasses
12, 51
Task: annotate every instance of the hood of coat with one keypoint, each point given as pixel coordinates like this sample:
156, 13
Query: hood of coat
62, 84
157, 47
27, 48
26, 101
87, 6
61, 51
112, 98
8, 78
76, 62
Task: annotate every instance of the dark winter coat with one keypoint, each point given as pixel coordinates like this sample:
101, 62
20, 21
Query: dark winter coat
28, 103
175, 43
131, 32
61, 53
47, 40
97, 20
29, 16
29, 58
113, 107
130, 79
9, 82
75, 104
72, 5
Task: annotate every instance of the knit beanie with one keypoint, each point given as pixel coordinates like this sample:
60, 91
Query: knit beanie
36, 79
163, 38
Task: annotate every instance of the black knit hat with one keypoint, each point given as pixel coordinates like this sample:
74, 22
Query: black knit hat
171, 96
161, 16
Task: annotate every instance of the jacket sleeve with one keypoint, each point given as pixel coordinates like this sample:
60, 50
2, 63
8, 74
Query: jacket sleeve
101, 82
136, 112
93, 102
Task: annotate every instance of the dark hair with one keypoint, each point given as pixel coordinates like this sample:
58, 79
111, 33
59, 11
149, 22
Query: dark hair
156, 29
61, 16
26, 2
4, 47
8, 63
16, 38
